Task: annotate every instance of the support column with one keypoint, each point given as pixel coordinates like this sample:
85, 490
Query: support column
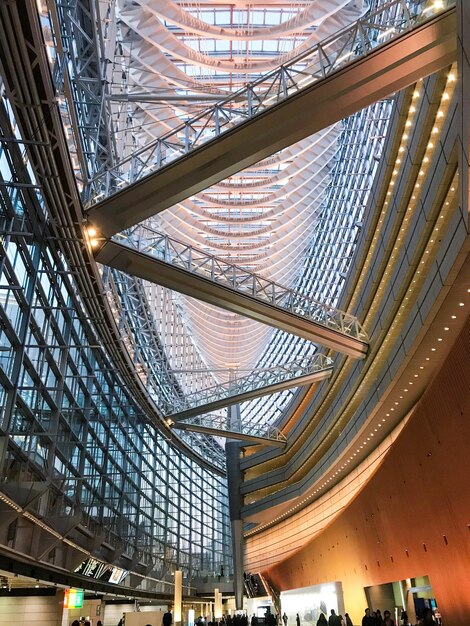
232, 454
178, 596
217, 605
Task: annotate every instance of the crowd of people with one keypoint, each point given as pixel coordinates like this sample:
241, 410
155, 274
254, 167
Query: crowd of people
427, 617
370, 618
375, 618
227, 620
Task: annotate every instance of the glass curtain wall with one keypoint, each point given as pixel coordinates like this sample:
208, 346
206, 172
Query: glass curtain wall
73, 442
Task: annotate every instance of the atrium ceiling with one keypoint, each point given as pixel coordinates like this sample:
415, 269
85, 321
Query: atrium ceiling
176, 57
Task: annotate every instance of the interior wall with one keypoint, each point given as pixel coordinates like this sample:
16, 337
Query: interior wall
153, 618
114, 612
413, 517
381, 597
32, 610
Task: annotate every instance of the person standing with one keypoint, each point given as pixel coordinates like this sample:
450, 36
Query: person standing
284, 618
297, 620
388, 617
347, 619
368, 620
167, 619
334, 620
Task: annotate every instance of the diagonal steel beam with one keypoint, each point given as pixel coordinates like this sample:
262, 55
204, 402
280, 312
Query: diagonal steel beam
294, 313
259, 383
392, 66
230, 434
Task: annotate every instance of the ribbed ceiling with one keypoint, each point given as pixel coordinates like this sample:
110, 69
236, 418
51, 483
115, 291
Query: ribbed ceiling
179, 54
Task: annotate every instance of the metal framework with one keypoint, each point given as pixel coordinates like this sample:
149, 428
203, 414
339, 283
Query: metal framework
184, 268
82, 45
81, 460
331, 251
264, 117
258, 383
82, 463
219, 426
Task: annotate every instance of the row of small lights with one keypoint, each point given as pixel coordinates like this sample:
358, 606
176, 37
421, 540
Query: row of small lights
301, 504
401, 150
431, 148
430, 151
361, 446
397, 166
338, 380
398, 161
440, 115
372, 247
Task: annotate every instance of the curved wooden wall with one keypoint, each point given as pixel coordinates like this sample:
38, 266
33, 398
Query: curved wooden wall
413, 516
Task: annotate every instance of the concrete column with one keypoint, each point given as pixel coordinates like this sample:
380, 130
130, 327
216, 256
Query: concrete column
217, 604
232, 452
177, 610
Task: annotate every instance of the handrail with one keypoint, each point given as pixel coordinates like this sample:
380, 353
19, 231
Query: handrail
366, 34
256, 380
184, 256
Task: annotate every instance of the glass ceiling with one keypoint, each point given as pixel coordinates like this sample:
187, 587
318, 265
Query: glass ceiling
263, 218
293, 218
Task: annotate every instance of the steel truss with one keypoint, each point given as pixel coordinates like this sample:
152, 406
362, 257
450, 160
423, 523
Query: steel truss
258, 383
381, 26
130, 303
82, 74
220, 426
341, 215
311, 319
78, 450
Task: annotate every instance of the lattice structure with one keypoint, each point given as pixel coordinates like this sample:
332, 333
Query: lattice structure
195, 261
293, 74
254, 382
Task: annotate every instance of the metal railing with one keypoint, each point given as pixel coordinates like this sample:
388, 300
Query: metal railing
220, 423
359, 39
256, 380
184, 256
